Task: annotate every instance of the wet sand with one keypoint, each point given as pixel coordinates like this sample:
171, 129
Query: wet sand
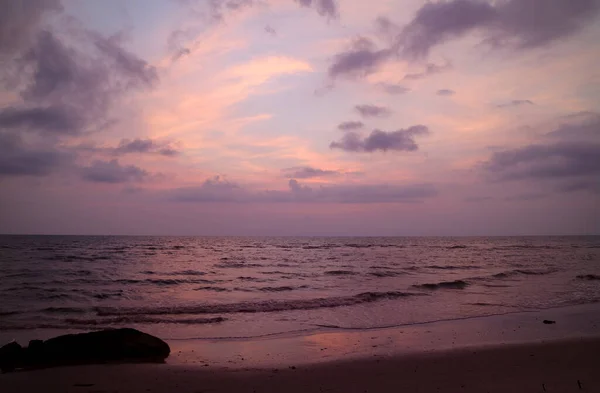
502, 353
559, 366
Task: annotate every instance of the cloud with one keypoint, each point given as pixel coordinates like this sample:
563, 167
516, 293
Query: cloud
372, 110
127, 146
270, 30
219, 8
583, 126
54, 119
361, 59
19, 21
69, 80
132, 69
401, 140
513, 24
350, 125
17, 159
306, 172
445, 92
517, 24
393, 88
326, 8
478, 199
69, 84
430, 69
220, 190
113, 172
553, 161
591, 185
515, 103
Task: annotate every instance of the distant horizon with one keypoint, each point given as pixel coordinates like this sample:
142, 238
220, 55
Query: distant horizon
298, 236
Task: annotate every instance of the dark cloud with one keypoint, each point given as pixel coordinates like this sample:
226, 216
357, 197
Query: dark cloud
401, 140
219, 190
386, 28
437, 22
130, 68
359, 60
113, 172
270, 30
215, 189
478, 199
179, 53
583, 126
512, 23
554, 161
326, 8
445, 92
306, 172
350, 125
19, 21
588, 185
393, 88
218, 8
516, 24
18, 159
430, 69
53, 119
514, 103
69, 80
144, 146
530, 196
69, 84
372, 110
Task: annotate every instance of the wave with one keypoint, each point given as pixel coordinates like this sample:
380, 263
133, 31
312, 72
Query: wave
253, 279
281, 289
459, 246
255, 307
85, 324
387, 273
340, 273
214, 289
457, 284
453, 267
236, 265
177, 273
526, 272
589, 277
65, 310
7, 313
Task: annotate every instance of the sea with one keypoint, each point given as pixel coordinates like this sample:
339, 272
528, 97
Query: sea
244, 287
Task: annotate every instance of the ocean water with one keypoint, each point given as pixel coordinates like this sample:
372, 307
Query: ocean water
230, 287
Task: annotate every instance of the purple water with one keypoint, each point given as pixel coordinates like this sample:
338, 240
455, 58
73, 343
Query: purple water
224, 287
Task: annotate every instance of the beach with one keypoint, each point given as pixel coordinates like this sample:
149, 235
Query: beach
504, 353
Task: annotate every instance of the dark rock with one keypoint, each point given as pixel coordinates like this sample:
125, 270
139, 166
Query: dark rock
11, 356
549, 322
103, 346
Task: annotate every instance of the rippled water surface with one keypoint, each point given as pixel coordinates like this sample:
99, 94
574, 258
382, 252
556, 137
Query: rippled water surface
184, 287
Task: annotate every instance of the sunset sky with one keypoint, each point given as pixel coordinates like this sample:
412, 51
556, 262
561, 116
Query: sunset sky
300, 117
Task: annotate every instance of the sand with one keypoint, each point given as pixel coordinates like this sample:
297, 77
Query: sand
502, 353
559, 366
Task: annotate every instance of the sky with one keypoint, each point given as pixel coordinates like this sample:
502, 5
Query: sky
300, 117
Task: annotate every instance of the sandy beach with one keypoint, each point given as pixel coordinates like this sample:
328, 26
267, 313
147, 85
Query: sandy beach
502, 353
560, 366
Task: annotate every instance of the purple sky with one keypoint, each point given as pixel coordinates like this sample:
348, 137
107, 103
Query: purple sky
300, 117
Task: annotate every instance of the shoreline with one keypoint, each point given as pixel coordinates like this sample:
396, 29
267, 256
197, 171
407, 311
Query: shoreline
326, 344
553, 366
513, 352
